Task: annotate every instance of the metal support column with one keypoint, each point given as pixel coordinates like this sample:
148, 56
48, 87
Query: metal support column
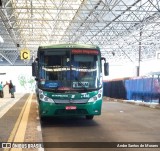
139, 53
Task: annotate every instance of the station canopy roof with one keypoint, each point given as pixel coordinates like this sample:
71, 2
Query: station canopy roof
121, 28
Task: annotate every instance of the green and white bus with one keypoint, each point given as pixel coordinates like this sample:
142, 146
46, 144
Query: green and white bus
69, 80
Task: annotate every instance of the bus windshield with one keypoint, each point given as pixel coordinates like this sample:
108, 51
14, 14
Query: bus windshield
69, 69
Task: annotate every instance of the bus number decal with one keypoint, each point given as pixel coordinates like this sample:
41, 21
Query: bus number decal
80, 84
85, 95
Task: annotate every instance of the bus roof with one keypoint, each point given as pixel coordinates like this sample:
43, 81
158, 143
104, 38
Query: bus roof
69, 46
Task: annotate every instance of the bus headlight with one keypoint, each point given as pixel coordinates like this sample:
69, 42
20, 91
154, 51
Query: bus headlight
44, 98
96, 97
47, 99
93, 99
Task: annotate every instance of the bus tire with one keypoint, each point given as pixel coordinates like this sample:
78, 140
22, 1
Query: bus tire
42, 118
89, 117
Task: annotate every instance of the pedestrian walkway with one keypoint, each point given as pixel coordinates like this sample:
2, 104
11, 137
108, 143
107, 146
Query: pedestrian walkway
7, 103
19, 120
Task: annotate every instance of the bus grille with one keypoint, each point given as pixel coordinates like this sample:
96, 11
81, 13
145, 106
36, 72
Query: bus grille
71, 112
82, 101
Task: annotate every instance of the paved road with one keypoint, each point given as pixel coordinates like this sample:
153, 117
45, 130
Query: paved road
119, 122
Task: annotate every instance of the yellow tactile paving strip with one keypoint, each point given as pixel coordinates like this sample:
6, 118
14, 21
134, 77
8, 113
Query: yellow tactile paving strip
33, 131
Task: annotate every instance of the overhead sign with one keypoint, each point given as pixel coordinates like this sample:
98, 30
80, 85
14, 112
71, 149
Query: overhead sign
25, 54
85, 51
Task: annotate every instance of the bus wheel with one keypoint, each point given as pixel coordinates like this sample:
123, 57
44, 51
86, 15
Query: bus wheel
42, 118
89, 117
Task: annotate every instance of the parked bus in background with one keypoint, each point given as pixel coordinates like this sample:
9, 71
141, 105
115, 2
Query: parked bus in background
69, 80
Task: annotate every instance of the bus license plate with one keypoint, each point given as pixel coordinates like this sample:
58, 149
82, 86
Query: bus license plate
71, 107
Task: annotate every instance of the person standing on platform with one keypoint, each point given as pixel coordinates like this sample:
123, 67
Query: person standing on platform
11, 88
1, 90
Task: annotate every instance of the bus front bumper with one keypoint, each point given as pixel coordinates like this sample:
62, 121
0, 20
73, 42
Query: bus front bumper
47, 109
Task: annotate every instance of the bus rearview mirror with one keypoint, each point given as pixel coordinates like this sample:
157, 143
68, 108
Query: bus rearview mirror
106, 69
34, 69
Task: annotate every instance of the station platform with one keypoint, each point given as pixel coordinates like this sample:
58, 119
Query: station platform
19, 121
